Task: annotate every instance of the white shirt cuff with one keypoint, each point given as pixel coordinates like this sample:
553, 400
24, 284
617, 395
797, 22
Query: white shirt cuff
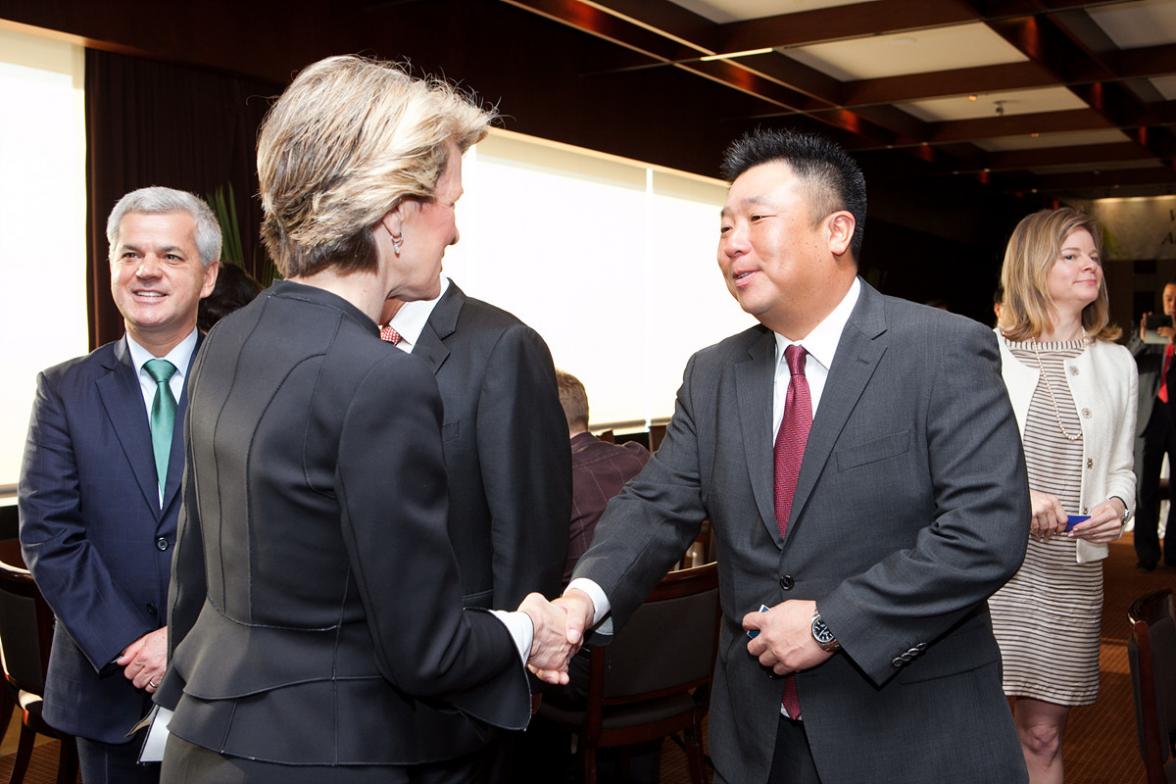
595, 593
521, 630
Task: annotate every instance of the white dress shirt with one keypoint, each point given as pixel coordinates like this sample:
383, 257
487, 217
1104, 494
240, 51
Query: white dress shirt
410, 320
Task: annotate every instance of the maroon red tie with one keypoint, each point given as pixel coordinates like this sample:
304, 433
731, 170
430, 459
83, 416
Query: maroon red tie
389, 335
789, 452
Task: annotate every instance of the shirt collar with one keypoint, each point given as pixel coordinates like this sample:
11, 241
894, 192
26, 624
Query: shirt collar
821, 343
179, 356
410, 320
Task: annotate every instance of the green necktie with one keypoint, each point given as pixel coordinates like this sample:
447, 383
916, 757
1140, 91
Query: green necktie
163, 416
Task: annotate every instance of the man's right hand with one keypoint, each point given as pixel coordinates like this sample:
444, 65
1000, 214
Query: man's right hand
553, 642
144, 661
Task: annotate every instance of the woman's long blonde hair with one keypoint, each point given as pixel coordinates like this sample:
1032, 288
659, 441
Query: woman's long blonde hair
1032, 251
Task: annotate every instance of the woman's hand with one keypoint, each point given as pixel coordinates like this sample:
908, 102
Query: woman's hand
1105, 523
1049, 517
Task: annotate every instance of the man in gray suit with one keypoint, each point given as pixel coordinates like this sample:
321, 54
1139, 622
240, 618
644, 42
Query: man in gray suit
860, 463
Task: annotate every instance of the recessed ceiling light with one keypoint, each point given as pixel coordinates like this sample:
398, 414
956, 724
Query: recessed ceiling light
973, 98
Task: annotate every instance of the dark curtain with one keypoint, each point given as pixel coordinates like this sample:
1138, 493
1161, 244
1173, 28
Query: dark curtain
153, 123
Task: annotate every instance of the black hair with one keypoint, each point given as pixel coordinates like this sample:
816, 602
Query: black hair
837, 179
235, 288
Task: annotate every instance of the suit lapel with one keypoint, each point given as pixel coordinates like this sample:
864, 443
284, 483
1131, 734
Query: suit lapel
175, 463
858, 353
754, 378
442, 323
123, 400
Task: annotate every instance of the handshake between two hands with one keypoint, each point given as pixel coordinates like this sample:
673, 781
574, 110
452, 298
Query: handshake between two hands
559, 628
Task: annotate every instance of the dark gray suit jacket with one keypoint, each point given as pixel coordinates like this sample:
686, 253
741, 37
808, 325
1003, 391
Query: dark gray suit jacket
911, 508
316, 612
1149, 358
506, 450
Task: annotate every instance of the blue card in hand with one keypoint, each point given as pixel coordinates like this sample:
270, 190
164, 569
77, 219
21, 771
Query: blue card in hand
752, 633
1073, 520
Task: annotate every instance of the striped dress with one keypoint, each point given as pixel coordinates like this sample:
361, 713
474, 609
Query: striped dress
1047, 618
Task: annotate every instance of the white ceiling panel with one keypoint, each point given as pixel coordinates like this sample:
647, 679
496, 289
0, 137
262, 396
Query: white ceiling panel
1131, 25
917, 51
1068, 139
1046, 99
1166, 85
724, 11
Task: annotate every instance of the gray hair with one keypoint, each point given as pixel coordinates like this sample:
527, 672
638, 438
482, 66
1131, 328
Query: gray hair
157, 200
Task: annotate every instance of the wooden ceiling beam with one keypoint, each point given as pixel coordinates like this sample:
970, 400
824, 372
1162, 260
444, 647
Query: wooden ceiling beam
1145, 61
1127, 64
859, 20
1096, 178
665, 18
942, 84
1092, 154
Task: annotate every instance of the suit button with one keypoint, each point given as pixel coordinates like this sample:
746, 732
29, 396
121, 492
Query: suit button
161, 543
787, 582
1086, 413
1073, 371
151, 610
1090, 462
897, 662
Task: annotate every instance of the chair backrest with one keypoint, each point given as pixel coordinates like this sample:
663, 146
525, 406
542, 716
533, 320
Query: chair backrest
668, 645
1151, 652
26, 630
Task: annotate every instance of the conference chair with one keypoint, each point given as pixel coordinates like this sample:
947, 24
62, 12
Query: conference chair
26, 630
1151, 652
653, 680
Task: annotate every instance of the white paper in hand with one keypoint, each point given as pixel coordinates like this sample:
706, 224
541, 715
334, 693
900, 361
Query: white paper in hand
156, 739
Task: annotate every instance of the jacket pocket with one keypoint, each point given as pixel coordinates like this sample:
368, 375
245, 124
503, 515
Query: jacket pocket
873, 450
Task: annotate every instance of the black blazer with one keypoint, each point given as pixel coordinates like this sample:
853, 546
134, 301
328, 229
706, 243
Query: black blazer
506, 450
315, 611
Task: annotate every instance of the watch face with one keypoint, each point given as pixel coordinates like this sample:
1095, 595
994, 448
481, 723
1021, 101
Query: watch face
821, 632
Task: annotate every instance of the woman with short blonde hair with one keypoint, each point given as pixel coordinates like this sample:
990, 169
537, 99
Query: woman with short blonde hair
376, 136
316, 628
1073, 392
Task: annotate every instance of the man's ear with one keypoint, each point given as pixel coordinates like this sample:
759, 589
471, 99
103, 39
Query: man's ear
210, 273
840, 227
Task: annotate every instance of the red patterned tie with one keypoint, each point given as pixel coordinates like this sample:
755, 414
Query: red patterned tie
789, 452
1163, 393
389, 335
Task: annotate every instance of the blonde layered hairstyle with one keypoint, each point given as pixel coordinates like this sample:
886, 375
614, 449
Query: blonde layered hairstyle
1034, 248
347, 141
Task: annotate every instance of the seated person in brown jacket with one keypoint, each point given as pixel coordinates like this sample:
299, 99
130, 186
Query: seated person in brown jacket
599, 469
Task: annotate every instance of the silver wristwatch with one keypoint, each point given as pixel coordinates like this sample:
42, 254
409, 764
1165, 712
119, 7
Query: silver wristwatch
822, 635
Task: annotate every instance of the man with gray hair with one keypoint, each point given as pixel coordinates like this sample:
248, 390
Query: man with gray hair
100, 481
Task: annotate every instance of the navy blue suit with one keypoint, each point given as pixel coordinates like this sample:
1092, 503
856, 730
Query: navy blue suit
94, 535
